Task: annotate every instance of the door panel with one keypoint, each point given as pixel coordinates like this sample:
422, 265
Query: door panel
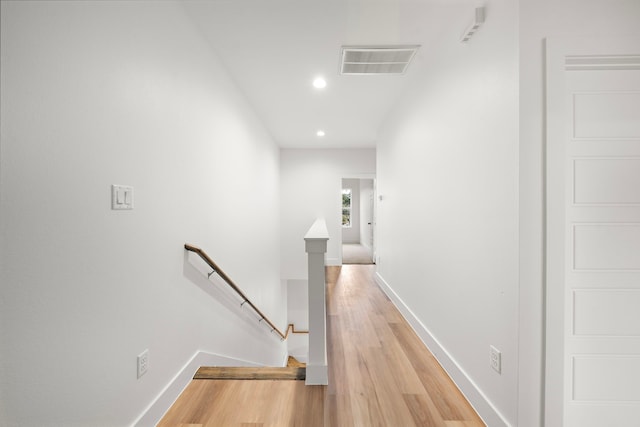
606, 114
594, 179
602, 248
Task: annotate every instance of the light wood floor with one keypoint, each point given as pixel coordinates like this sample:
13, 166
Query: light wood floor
380, 374
355, 253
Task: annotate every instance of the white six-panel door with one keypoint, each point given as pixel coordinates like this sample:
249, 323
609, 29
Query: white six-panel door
594, 223
602, 240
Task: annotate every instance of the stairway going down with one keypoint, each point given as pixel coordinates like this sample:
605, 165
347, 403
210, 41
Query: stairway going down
294, 370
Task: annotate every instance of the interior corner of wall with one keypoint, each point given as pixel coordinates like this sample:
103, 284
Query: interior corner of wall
152, 415
167, 396
332, 262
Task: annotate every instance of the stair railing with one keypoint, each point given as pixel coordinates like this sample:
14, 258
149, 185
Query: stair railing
245, 300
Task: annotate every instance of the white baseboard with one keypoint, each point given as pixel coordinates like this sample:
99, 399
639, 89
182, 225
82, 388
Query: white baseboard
487, 411
332, 262
317, 375
156, 410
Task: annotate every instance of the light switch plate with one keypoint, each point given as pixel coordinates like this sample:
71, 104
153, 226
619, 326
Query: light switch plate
121, 197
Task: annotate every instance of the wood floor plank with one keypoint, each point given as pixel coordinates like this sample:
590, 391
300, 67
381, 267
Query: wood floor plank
365, 409
404, 374
194, 404
423, 410
312, 400
338, 410
444, 393
390, 398
380, 374
463, 424
336, 358
295, 363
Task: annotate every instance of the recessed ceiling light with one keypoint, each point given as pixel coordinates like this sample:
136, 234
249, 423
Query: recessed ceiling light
319, 83
320, 133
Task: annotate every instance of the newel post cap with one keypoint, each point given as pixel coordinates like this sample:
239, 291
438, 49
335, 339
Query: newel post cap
317, 237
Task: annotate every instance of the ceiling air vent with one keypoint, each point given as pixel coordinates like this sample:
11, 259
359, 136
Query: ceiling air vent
376, 60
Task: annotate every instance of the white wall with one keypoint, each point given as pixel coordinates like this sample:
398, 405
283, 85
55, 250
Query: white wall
540, 19
101, 93
310, 185
457, 272
298, 315
352, 234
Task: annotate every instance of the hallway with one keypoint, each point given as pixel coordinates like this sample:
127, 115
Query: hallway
356, 253
380, 374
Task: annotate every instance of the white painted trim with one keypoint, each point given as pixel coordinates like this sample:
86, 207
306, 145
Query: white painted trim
360, 176
317, 375
318, 231
167, 397
557, 50
315, 243
487, 411
554, 238
333, 262
285, 361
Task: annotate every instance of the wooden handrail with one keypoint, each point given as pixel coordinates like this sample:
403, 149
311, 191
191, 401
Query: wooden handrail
245, 300
291, 328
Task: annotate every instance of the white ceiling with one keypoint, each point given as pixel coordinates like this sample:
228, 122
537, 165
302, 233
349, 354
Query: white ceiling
275, 48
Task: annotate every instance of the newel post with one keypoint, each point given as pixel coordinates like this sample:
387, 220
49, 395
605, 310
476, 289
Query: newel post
316, 248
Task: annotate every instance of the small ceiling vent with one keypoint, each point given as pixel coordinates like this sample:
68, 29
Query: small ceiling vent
478, 19
376, 60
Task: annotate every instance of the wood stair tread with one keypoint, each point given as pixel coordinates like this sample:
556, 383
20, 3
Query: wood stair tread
259, 373
292, 362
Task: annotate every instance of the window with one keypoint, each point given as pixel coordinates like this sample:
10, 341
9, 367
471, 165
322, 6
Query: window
346, 207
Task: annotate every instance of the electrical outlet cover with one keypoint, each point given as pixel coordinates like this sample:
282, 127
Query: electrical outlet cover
143, 363
495, 359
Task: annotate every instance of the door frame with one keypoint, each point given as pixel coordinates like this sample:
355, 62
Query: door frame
371, 176
555, 317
